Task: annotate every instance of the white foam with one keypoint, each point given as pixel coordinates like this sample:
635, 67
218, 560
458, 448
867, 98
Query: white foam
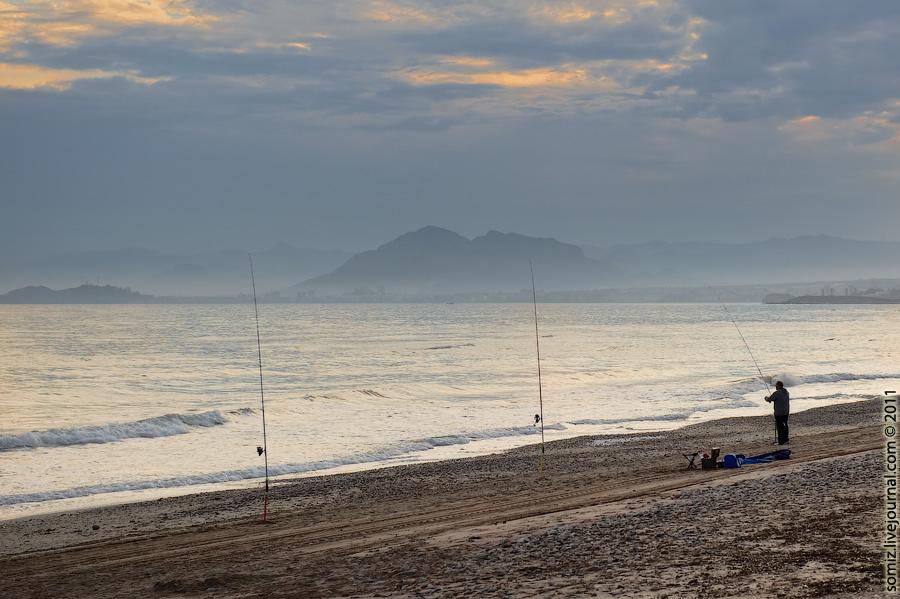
174, 424
793, 380
277, 470
835, 378
671, 416
159, 426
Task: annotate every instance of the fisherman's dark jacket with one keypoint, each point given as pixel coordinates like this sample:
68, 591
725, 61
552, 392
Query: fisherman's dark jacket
782, 400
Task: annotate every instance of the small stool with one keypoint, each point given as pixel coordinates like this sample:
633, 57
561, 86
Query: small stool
691, 457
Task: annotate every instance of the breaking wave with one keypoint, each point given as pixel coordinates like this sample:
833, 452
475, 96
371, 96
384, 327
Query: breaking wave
175, 424
671, 416
380, 455
159, 426
750, 385
836, 377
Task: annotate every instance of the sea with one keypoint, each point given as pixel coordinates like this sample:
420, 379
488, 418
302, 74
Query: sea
118, 403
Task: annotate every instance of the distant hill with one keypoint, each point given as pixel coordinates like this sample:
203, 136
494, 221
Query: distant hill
806, 258
84, 294
223, 272
435, 260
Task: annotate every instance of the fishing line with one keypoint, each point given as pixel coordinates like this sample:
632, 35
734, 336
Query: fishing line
537, 344
752, 357
749, 351
262, 398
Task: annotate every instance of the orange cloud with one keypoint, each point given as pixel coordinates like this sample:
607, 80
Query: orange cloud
651, 65
809, 119
806, 128
616, 15
295, 45
875, 131
12, 22
141, 12
562, 13
476, 62
385, 11
30, 76
63, 23
523, 78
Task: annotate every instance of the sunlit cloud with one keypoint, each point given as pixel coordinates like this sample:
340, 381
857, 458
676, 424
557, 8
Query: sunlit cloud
651, 65
477, 62
12, 22
29, 76
386, 11
879, 131
64, 23
805, 121
805, 128
256, 50
522, 78
170, 13
643, 91
616, 15
348, 56
61, 33
295, 45
610, 12
251, 48
563, 13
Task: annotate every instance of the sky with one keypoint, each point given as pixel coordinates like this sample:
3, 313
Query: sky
341, 124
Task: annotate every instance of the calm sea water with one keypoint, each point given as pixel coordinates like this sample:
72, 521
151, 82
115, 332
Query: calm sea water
112, 403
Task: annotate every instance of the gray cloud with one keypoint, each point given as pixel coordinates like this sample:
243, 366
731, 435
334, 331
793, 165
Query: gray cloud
591, 130
794, 58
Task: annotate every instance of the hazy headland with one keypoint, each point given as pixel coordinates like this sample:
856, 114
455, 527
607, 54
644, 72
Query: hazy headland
435, 264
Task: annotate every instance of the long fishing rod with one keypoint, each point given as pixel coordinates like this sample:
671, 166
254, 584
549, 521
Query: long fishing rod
262, 397
537, 344
749, 351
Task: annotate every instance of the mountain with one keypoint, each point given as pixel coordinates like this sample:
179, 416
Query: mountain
223, 272
805, 258
84, 294
435, 260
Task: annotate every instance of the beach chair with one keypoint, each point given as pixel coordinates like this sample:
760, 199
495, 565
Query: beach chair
691, 458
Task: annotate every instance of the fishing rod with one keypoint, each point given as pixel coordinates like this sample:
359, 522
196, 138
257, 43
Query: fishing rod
262, 398
749, 351
537, 343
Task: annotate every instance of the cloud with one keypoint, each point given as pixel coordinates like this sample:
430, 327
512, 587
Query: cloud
469, 61
12, 22
871, 131
789, 59
682, 59
646, 114
29, 76
64, 23
402, 13
562, 13
565, 76
350, 55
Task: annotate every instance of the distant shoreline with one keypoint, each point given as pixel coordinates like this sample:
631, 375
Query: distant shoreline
753, 294
231, 301
838, 300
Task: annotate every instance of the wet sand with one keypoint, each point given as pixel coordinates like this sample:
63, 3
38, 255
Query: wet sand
611, 516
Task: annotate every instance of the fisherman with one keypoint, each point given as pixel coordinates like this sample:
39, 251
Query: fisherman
782, 400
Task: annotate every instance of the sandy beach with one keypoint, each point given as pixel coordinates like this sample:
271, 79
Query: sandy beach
611, 516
